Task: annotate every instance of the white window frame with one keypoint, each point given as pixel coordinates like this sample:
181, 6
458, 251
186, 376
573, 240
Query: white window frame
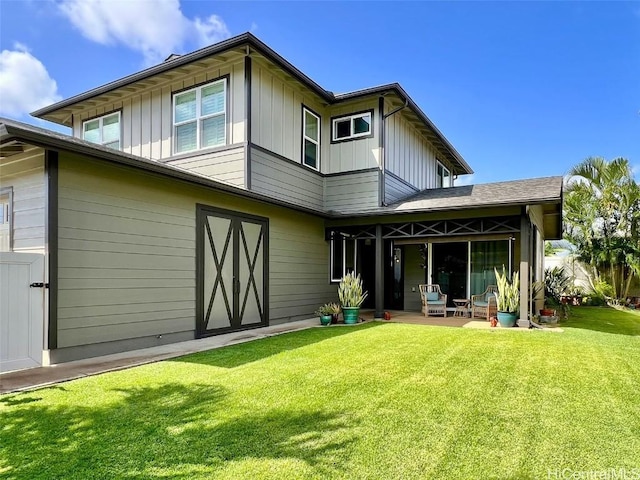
199, 118
305, 110
101, 127
352, 119
6, 226
337, 237
450, 181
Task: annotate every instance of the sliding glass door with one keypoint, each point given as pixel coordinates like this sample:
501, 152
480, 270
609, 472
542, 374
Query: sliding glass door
485, 256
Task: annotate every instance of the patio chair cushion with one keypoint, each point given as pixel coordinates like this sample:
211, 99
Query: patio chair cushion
436, 302
480, 304
432, 296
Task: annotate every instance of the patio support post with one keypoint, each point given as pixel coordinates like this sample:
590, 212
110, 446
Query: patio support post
525, 255
379, 300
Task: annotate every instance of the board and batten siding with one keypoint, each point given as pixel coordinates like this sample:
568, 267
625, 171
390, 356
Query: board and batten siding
225, 166
147, 118
25, 174
126, 263
353, 191
396, 189
285, 180
360, 153
276, 114
408, 153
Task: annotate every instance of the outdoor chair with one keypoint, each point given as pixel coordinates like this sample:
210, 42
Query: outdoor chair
485, 304
434, 302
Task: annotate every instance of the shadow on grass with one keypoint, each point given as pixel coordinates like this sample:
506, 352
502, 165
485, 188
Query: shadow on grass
240, 354
174, 431
604, 319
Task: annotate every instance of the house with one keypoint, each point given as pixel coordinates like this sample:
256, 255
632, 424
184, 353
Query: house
223, 190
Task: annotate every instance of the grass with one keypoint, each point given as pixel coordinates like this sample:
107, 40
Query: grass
372, 401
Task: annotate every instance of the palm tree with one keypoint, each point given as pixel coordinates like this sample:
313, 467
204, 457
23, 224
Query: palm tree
602, 214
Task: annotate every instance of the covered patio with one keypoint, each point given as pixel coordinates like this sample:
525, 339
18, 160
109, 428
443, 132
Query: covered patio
453, 237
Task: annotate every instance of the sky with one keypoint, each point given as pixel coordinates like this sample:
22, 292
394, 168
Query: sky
521, 89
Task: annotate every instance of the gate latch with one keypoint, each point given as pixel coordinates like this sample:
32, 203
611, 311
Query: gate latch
39, 285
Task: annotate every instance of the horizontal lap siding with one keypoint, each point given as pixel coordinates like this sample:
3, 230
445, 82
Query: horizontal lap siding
351, 192
127, 254
225, 166
281, 179
25, 173
395, 189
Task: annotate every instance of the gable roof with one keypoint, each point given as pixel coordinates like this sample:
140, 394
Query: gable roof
251, 41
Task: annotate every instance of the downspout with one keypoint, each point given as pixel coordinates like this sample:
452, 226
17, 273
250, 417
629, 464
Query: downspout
383, 154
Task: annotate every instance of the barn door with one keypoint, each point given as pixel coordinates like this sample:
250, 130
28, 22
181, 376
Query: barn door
21, 310
232, 271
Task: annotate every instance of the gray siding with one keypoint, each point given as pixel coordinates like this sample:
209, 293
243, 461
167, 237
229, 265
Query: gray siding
225, 166
409, 154
351, 191
355, 154
147, 117
127, 256
25, 173
285, 180
276, 114
395, 189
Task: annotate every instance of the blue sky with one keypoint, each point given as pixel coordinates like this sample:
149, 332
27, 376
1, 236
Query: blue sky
521, 89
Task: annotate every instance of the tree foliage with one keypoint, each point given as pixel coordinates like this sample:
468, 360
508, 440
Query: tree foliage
602, 219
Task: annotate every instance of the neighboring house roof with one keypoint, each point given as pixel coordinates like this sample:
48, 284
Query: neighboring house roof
175, 61
536, 191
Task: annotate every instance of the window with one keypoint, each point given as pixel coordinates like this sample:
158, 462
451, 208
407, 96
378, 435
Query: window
200, 117
352, 126
443, 177
310, 139
6, 219
344, 251
103, 130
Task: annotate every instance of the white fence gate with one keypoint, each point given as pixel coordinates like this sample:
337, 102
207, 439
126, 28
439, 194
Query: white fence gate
21, 311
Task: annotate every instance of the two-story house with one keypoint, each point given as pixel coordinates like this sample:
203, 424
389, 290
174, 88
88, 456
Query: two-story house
223, 190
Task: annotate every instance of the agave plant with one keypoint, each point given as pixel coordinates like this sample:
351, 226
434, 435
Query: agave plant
350, 291
508, 294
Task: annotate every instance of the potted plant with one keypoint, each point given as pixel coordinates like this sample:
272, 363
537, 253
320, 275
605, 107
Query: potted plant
507, 298
334, 310
325, 313
351, 297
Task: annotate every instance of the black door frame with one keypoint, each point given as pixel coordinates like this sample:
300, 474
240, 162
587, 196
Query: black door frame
202, 212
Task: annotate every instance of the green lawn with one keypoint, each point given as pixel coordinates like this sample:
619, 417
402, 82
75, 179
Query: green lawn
378, 400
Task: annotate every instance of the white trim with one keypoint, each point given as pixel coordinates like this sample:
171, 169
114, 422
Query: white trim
344, 269
305, 110
445, 169
351, 118
101, 127
198, 116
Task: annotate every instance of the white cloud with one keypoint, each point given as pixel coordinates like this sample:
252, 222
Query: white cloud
156, 28
25, 84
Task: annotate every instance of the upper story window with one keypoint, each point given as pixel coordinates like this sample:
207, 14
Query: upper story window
6, 219
200, 117
352, 126
103, 130
310, 139
443, 177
